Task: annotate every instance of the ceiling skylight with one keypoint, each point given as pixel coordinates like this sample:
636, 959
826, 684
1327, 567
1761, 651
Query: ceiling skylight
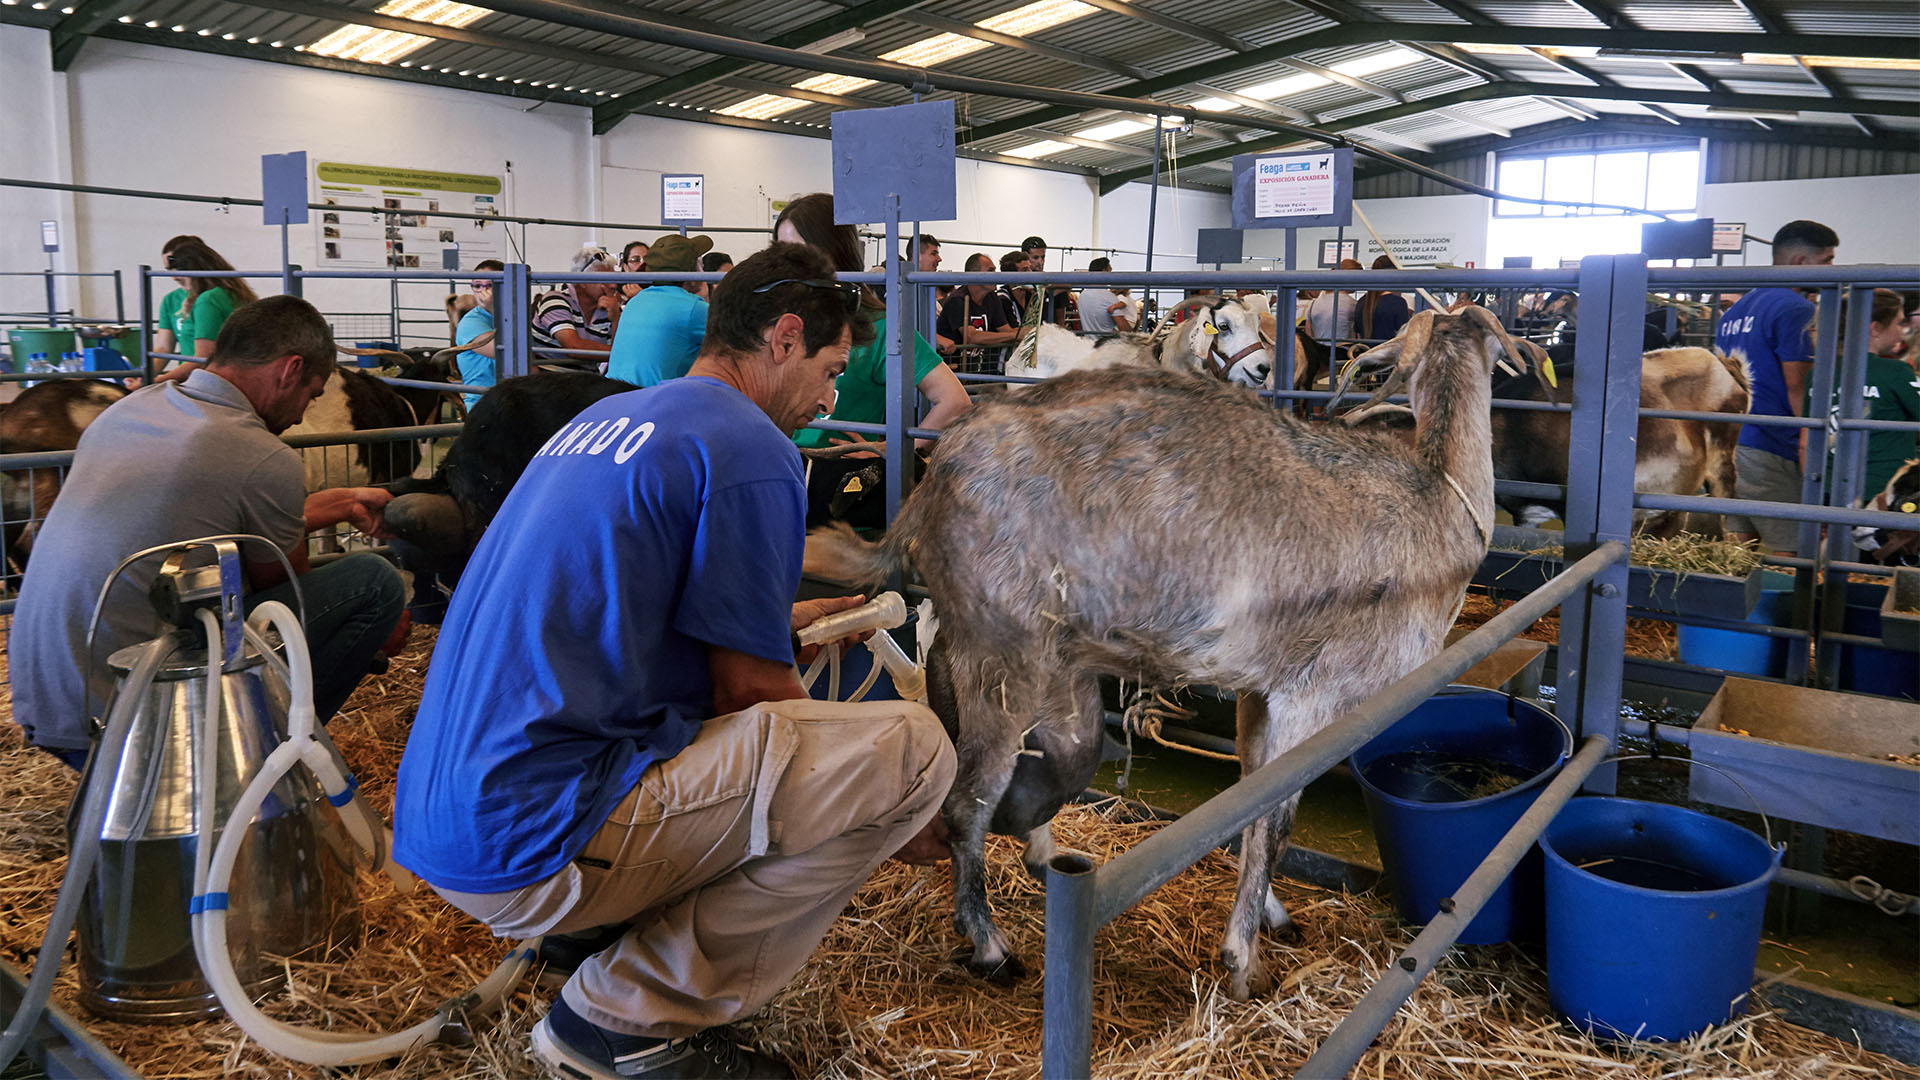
1039, 149
763, 107
366, 44
1035, 17
1114, 129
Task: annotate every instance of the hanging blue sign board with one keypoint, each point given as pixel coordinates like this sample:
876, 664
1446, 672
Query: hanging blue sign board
904, 151
283, 188
1294, 190
1219, 246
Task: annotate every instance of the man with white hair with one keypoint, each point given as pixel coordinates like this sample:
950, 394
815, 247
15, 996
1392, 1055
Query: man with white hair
578, 317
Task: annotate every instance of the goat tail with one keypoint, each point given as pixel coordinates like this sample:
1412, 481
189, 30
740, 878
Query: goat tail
1736, 365
836, 553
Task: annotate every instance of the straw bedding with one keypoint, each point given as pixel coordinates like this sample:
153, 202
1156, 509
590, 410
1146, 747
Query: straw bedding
882, 997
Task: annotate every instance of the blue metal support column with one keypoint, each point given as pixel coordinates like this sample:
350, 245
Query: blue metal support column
1605, 427
1843, 469
119, 299
1826, 350
1344, 1047
1284, 361
147, 367
900, 385
513, 310
1066, 1037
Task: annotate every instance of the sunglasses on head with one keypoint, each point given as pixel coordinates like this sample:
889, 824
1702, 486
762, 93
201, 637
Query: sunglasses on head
848, 290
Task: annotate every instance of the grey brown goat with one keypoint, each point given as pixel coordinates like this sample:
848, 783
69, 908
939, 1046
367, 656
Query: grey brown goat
1170, 529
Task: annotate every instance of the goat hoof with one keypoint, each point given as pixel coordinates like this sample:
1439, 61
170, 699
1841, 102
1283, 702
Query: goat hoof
1002, 973
1245, 982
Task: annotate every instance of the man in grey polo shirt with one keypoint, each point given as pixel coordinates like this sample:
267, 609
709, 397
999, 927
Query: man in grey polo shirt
189, 458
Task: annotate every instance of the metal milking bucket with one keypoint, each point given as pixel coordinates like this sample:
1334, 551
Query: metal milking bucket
291, 888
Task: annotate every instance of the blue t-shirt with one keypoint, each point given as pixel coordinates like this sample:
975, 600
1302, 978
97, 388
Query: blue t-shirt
1769, 327
660, 334
574, 655
475, 369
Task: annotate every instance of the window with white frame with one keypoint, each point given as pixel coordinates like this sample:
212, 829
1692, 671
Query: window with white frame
1663, 180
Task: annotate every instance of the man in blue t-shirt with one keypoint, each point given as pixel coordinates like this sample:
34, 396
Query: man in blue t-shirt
476, 359
662, 328
1771, 331
612, 735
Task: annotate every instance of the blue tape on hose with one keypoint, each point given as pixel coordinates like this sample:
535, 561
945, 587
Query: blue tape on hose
346, 793
213, 901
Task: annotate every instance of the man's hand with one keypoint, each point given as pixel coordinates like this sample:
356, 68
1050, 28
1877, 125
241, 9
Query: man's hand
806, 612
363, 508
177, 373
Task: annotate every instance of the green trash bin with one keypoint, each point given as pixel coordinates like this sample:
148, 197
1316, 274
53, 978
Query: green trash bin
52, 340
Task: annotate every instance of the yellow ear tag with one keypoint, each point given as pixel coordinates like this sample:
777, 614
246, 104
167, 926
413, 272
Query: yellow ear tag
1347, 367
1908, 507
1209, 328
1546, 372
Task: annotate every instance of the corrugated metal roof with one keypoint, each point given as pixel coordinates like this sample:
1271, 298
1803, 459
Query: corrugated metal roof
605, 68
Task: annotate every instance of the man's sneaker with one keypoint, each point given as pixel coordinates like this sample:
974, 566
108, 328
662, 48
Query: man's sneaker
578, 1048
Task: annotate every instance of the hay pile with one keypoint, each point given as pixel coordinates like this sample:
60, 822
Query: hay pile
1684, 553
882, 997
1653, 639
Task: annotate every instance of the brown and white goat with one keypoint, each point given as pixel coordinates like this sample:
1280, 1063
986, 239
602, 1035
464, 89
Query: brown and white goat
1172, 530
1901, 496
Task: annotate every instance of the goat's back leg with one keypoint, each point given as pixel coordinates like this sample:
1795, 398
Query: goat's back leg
1265, 729
1061, 755
988, 744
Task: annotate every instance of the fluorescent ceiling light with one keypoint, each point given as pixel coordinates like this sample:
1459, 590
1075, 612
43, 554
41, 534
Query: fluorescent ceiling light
1663, 56
1215, 104
366, 44
763, 107
937, 49
1485, 49
1114, 129
833, 84
1038, 149
1035, 17
1875, 63
838, 41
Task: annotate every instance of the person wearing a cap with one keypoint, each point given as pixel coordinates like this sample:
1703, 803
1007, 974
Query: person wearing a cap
663, 327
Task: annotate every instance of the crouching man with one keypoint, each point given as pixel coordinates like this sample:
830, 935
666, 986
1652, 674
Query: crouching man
612, 732
199, 456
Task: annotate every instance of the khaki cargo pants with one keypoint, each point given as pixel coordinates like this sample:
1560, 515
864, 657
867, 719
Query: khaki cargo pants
741, 851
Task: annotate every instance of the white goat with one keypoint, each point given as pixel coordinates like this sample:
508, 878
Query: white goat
1229, 339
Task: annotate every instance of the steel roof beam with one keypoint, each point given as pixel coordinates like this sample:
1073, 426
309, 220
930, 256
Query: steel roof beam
1767, 20
70, 33
1182, 27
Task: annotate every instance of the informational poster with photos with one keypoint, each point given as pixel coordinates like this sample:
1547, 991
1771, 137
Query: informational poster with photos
385, 218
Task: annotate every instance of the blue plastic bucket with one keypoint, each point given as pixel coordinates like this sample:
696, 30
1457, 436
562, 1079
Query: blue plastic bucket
1868, 670
1421, 779
1749, 654
1653, 917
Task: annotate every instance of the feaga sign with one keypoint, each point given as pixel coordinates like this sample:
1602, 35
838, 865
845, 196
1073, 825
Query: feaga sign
1292, 191
683, 199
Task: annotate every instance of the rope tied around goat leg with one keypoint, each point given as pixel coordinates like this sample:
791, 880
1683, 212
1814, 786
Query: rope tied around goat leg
1149, 710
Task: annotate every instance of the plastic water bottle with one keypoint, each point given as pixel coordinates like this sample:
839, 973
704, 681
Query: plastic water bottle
37, 364
72, 361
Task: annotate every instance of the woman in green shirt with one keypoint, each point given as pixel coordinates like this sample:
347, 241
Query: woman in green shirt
1892, 393
861, 389
191, 316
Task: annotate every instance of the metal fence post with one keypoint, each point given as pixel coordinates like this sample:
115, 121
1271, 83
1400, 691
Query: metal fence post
1066, 1039
294, 284
146, 322
513, 307
1605, 427
900, 385
1842, 470
1813, 482
119, 299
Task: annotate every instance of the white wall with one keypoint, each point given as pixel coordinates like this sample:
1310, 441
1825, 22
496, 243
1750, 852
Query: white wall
32, 124
1442, 228
1874, 215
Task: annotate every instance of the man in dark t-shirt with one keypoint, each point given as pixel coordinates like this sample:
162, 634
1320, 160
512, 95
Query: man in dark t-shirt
976, 314
612, 733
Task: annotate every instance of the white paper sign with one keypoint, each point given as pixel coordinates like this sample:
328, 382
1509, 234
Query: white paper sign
682, 198
1293, 185
1729, 237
